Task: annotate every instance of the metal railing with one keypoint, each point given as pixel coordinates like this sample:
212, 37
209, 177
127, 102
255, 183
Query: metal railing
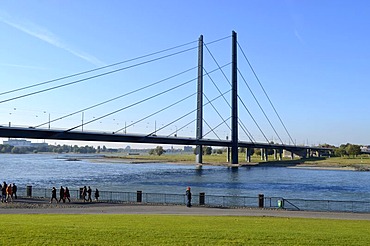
203, 199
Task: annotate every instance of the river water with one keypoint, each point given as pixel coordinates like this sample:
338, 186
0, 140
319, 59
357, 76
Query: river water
47, 170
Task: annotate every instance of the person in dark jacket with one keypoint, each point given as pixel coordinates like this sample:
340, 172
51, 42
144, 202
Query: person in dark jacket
53, 195
61, 195
3, 192
15, 191
89, 194
96, 195
67, 195
188, 197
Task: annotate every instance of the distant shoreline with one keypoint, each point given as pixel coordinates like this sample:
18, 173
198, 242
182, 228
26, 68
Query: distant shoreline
289, 164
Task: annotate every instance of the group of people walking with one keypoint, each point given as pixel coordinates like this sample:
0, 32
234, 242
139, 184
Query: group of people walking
65, 195
87, 192
8, 192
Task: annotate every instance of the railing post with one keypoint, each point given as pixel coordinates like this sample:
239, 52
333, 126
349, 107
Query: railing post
202, 198
261, 198
29, 191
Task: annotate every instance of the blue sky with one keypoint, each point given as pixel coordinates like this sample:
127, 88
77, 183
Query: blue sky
312, 58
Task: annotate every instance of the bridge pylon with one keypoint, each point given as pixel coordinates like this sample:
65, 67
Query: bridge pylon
199, 130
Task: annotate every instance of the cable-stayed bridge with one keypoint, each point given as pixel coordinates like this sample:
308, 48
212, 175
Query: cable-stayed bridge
197, 105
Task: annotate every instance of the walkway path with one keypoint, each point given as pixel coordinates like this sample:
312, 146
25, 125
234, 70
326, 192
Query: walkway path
41, 206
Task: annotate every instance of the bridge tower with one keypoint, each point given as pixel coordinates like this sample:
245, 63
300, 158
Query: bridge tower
199, 132
234, 101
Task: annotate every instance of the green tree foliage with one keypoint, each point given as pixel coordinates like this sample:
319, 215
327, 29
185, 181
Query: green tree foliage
353, 150
341, 151
347, 150
208, 150
157, 151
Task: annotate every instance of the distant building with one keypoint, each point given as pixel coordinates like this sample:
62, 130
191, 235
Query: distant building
188, 149
365, 149
23, 143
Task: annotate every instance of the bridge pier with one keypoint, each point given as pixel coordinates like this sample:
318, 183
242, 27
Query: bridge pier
266, 155
248, 155
280, 154
275, 154
262, 154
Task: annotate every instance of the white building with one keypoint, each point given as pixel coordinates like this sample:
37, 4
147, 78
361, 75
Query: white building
23, 143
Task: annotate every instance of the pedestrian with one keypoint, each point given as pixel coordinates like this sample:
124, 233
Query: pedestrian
67, 195
3, 192
53, 195
83, 193
61, 194
15, 188
89, 194
188, 197
96, 195
9, 192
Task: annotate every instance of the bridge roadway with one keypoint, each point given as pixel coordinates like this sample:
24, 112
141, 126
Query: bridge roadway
33, 133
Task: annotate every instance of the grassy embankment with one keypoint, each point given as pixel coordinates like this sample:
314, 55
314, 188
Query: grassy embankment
358, 163
178, 230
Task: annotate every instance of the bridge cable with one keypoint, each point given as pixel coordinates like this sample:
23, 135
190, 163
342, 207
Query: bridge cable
263, 89
217, 111
245, 130
134, 104
217, 127
97, 69
211, 130
107, 66
259, 105
179, 129
115, 98
255, 122
95, 76
157, 112
124, 128
214, 59
187, 114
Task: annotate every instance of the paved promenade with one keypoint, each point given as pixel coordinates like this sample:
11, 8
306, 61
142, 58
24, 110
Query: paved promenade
42, 206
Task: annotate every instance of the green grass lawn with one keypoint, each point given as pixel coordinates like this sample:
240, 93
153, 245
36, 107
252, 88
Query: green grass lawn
178, 230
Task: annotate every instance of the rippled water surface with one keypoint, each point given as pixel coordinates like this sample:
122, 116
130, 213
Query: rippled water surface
44, 171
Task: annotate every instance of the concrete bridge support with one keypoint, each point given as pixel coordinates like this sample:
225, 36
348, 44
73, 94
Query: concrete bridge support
266, 155
228, 154
280, 154
248, 155
275, 154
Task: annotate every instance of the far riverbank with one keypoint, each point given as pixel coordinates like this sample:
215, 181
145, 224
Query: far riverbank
333, 163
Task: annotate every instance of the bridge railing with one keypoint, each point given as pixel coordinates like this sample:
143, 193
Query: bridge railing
203, 199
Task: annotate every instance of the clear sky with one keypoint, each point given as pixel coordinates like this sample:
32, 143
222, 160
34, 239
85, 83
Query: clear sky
312, 58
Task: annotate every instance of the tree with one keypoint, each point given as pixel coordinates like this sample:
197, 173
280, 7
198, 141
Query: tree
158, 151
208, 150
151, 152
341, 151
353, 149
